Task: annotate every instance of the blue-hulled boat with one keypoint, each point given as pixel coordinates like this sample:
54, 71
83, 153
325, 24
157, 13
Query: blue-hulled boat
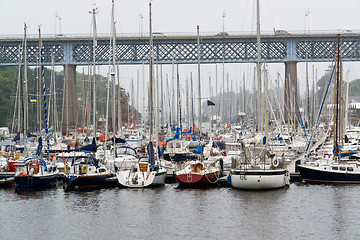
87, 171
34, 172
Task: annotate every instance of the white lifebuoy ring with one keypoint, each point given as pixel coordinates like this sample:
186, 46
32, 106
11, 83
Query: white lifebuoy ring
275, 162
326, 155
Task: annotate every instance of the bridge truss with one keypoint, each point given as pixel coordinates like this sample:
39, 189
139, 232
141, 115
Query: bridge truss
183, 50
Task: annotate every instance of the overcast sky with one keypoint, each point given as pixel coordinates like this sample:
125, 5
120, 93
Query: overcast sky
175, 16
178, 15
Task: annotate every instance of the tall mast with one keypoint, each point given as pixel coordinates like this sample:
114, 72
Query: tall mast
94, 11
336, 140
199, 78
151, 73
179, 96
113, 46
25, 87
162, 100
259, 66
39, 85
18, 95
42, 76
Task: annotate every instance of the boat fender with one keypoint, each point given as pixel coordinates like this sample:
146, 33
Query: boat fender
53, 156
83, 169
275, 162
198, 167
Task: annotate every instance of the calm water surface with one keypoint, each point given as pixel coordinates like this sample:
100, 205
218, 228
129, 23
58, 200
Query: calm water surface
298, 212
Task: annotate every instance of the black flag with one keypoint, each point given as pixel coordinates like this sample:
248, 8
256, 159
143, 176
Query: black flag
210, 103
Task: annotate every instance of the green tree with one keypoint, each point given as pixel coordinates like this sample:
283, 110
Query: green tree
8, 82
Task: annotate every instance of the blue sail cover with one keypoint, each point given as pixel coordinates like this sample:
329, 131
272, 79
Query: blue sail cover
29, 134
119, 140
278, 137
17, 137
199, 149
90, 147
38, 151
150, 150
161, 150
96, 164
176, 136
220, 144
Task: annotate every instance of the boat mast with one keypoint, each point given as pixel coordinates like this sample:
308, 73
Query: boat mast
39, 85
179, 95
42, 77
151, 73
94, 11
336, 139
259, 67
199, 79
18, 95
25, 87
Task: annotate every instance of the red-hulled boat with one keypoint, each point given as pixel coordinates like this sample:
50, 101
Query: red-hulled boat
196, 174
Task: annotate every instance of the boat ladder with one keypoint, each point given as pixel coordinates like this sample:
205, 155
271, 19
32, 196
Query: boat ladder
189, 177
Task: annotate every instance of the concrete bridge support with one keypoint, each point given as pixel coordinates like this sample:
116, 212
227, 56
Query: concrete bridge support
291, 95
70, 107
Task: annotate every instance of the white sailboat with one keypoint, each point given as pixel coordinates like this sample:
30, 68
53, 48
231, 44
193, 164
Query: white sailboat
145, 173
259, 169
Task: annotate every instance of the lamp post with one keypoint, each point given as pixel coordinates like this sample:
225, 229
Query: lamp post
307, 13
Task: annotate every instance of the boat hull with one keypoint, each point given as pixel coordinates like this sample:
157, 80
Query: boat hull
259, 179
317, 175
141, 180
197, 179
179, 157
43, 181
87, 180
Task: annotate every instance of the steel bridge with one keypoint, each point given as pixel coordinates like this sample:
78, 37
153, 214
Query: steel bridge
183, 49
72, 51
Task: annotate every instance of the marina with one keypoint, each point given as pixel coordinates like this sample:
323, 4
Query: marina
158, 135
178, 213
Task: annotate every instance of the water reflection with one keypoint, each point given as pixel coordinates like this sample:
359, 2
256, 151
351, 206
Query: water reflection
300, 211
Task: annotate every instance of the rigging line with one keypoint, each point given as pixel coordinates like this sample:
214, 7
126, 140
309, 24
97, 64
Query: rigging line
270, 12
320, 110
300, 120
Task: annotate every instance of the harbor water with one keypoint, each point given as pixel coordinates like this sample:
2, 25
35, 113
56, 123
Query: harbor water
300, 211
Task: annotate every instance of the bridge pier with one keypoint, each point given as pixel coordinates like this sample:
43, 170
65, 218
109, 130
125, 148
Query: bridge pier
291, 95
70, 107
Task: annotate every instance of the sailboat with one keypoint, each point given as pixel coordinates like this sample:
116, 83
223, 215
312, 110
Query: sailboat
338, 168
35, 171
145, 173
259, 169
197, 174
85, 170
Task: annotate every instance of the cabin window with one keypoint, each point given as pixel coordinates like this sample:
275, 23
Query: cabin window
178, 145
350, 169
342, 168
335, 168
